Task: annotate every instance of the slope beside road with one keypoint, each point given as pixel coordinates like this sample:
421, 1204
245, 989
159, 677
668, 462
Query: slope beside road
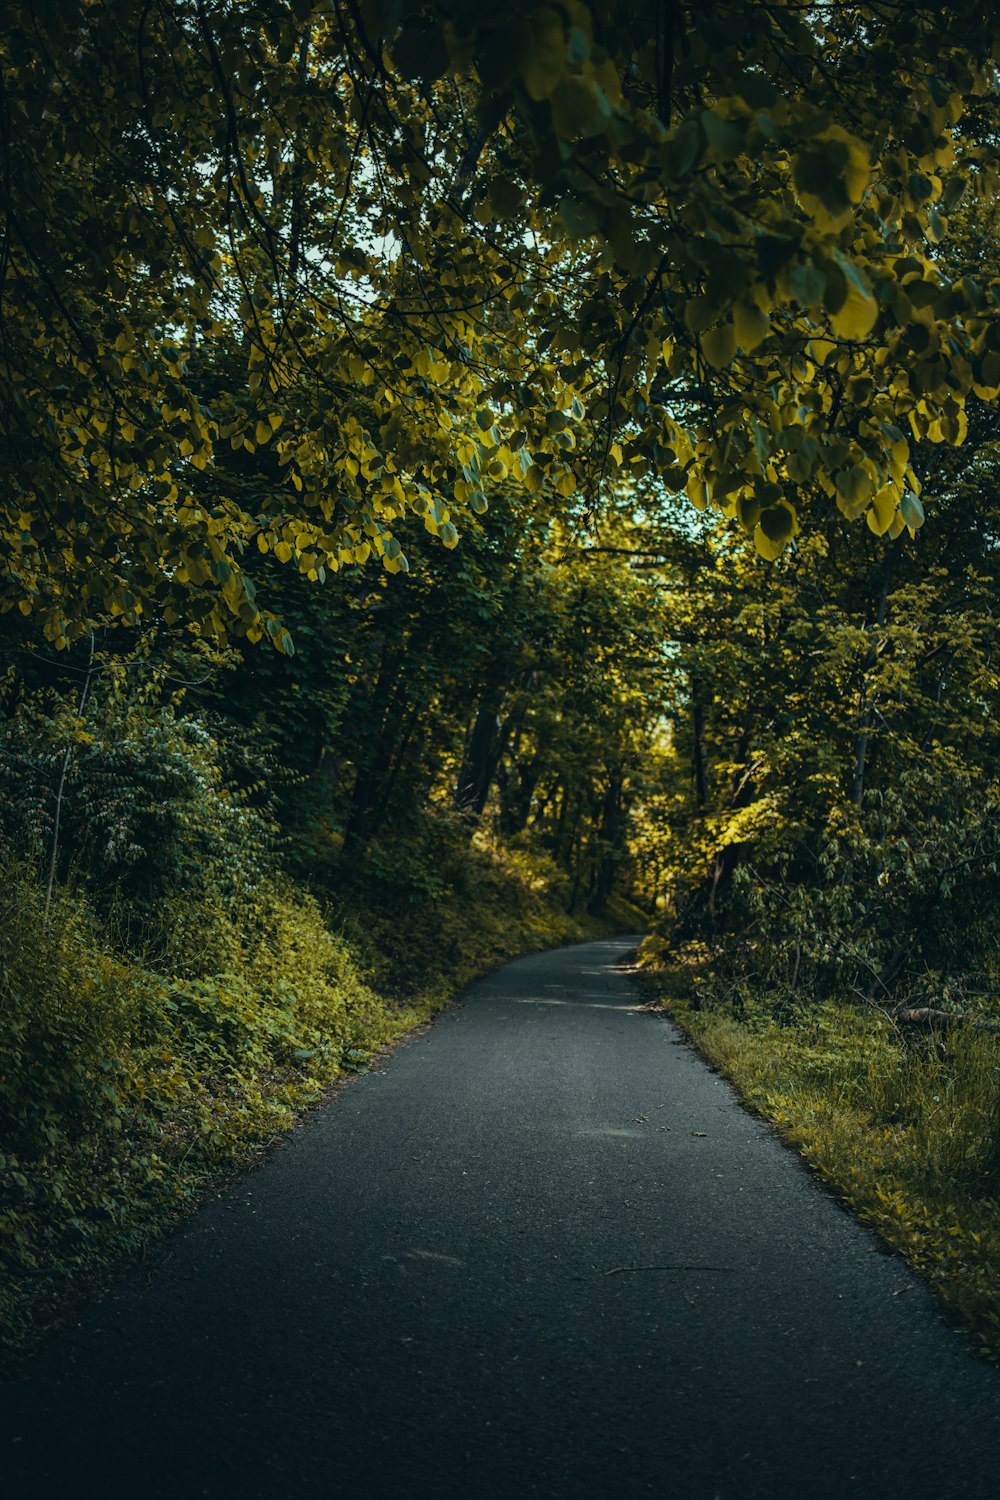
542, 1252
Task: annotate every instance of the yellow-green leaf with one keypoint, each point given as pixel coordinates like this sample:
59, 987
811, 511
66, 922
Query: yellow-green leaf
719, 345
855, 318
752, 326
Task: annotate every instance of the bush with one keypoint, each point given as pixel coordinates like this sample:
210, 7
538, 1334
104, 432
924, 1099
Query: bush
67, 1013
146, 808
124, 1087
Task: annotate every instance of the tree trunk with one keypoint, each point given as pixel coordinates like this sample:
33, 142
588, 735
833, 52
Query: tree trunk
865, 707
486, 745
481, 758
609, 846
517, 797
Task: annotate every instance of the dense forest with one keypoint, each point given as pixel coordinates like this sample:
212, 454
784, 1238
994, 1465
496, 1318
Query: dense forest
477, 476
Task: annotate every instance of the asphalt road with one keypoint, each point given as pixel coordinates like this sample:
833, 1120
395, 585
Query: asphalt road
541, 1252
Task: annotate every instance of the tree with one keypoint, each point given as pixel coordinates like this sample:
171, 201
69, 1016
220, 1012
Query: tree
831, 808
275, 276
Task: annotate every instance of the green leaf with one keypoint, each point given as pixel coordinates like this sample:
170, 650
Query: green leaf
725, 137
752, 326
777, 522
579, 108
544, 61
856, 316
911, 510
769, 550
719, 345
807, 284
682, 150
855, 487
882, 511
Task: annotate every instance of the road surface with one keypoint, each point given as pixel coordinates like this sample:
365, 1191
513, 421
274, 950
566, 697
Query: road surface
541, 1252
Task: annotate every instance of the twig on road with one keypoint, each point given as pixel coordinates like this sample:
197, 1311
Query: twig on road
618, 1270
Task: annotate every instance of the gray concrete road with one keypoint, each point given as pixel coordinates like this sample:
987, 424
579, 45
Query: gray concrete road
542, 1252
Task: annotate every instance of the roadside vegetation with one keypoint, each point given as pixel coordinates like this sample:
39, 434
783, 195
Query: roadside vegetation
824, 848
229, 882
133, 1078
901, 1122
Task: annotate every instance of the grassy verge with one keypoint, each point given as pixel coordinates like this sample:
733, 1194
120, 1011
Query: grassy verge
902, 1127
132, 1083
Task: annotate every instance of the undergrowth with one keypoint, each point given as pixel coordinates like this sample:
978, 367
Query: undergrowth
902, 1126
425, 920
132, 1078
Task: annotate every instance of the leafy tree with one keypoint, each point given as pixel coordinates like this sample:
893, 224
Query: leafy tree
276, 276
832, 805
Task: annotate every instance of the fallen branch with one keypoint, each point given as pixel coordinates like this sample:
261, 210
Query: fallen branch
927, 1015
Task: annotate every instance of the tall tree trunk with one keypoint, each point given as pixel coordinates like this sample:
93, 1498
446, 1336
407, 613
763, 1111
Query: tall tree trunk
518, 796
866, 713
485, 746
609, 846
569, 824
698, 752
482, 755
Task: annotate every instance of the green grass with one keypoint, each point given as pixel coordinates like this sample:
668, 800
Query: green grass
902, 1127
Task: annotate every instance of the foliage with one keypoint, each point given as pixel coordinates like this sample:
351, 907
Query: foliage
829, 800
278, 276
145, 807
655, 303
185, 994
822, 846
122, 1084
516, 681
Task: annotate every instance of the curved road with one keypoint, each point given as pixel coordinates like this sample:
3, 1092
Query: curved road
541, 1252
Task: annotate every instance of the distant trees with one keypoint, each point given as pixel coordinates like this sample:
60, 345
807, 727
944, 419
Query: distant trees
520, 677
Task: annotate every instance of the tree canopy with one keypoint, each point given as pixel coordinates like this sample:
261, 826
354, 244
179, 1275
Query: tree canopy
278, 278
